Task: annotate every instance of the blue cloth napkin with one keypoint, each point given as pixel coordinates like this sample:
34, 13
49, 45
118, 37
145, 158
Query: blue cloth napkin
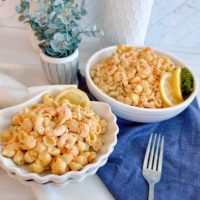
180, 179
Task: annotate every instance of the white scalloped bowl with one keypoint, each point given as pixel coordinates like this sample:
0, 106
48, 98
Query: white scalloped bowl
132, 113
102, 109
30, 182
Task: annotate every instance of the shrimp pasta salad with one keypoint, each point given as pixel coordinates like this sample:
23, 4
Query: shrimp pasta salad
59, 134
142, 78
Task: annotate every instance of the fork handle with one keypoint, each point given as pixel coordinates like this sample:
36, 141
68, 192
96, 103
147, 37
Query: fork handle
151, 192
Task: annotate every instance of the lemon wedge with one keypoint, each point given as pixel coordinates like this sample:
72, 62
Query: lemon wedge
169, 88
74, 96
176, 83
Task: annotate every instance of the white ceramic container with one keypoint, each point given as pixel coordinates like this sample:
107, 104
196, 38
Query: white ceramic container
61, 70
102, 109
136, 114
126, 21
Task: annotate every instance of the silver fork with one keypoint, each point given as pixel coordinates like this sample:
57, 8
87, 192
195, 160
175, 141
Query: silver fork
152, 165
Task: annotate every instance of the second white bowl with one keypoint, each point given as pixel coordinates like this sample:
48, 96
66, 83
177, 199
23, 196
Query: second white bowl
137, 114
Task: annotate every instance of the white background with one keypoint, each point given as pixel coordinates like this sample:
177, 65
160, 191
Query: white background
173, 22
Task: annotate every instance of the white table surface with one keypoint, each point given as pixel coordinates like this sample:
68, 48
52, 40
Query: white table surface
15, 49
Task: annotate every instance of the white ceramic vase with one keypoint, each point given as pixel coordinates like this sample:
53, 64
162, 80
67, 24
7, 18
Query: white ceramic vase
126, 21
61, 70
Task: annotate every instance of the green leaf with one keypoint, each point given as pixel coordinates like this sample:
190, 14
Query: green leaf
34, 25
48, 32
21, 18
83, 12
187, 85
19, 9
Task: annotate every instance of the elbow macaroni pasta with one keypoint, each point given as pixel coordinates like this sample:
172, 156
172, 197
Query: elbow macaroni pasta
54, 135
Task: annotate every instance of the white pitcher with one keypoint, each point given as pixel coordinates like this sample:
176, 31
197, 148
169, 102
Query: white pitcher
126, 21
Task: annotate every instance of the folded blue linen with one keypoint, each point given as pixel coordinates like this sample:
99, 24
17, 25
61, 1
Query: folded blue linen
180, 179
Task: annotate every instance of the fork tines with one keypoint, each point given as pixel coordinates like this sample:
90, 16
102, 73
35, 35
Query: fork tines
153, 158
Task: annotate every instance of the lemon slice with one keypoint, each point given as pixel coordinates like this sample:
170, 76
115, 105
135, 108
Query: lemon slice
74, 96
176, 83
167, 90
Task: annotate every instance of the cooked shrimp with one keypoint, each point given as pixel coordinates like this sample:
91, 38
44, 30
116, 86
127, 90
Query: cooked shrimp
39, 127
112, 70
64, 114
144, 70
84, 130
67, 140
39, 122
48, 110
58, 131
